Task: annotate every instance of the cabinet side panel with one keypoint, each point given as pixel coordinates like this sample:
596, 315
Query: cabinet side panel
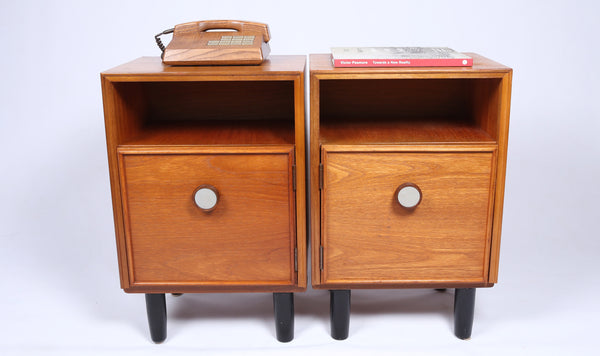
300, 194
503, 123
485, 96
123, 110
315, 200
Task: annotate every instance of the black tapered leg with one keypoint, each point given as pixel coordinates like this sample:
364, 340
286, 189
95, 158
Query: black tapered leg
157, 316
339, 310
283, 303
464, 309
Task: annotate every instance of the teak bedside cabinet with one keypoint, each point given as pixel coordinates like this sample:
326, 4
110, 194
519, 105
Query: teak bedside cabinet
207, 168
407, 180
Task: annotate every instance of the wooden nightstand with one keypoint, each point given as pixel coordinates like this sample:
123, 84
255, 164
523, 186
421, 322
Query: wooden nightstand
408, 168
207, 168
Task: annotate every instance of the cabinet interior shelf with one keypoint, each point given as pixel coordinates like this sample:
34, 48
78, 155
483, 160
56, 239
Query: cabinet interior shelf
405, 131
216, 132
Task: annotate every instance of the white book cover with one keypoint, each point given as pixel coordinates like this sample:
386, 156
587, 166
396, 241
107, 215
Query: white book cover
398, 57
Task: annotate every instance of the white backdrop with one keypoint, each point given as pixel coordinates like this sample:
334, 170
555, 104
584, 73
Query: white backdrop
60, 290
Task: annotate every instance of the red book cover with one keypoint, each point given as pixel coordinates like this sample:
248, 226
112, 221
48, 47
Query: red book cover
399, 57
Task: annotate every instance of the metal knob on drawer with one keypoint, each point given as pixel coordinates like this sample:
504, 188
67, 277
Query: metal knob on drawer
409, 195
206, 197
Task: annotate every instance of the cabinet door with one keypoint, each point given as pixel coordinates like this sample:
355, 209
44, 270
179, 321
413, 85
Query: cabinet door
368, 237
246, 239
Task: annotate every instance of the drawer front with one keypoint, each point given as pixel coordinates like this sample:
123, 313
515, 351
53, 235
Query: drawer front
246, 238
368, 237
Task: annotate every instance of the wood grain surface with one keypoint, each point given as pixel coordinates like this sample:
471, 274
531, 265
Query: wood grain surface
219, 100
248, 237
215, 132
280, 67
189, 45
375, 111
405, 131
156, 110
368, 236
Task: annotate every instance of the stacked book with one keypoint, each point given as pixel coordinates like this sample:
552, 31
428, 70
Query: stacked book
399, 57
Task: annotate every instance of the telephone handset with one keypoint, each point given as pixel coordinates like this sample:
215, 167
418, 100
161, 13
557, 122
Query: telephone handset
219, 42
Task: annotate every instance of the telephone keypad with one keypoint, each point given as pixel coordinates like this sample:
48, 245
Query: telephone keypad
233, 41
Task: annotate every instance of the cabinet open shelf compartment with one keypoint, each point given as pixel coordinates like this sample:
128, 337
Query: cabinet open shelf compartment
386, 111
207, 112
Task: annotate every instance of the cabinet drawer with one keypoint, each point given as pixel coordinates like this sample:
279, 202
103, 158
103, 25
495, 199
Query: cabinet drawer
247, 238
368, 237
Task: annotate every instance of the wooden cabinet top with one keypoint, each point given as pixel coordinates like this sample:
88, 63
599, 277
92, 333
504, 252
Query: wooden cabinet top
482, 67
152, 68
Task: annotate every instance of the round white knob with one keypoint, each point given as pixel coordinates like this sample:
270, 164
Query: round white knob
408, 195
206, 197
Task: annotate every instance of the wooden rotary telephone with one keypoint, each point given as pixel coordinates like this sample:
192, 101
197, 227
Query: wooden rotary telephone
219, 42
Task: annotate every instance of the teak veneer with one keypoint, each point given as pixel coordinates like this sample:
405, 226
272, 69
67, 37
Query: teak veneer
207, 170
236, 131
373, 131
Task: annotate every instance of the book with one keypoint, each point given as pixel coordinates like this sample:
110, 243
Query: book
399, 57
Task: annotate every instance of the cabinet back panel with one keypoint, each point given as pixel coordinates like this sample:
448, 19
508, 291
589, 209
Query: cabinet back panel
237, 100
389, 98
